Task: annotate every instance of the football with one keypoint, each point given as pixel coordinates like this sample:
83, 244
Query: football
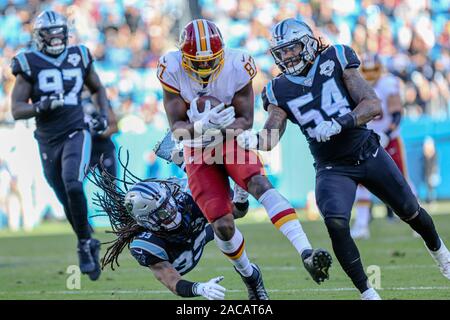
202, 100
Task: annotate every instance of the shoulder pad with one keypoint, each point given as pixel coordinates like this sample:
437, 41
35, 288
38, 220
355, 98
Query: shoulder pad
150, 247
346, 56
243, 67
19, 64
169, 66
86, 56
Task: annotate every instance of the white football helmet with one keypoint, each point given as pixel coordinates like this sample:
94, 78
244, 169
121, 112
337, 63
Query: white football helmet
152, 206
293, 35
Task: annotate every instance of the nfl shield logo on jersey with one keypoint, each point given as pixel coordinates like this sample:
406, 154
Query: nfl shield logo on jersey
73, 59
327, 68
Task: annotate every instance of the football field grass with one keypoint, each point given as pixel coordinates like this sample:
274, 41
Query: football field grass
34, 265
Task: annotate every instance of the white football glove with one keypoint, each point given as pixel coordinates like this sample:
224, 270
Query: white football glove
326, 129
194, 114
211, 290
247, 140
384, 139
212, 119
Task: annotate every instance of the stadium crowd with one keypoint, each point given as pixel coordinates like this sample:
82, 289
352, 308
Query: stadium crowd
127, 37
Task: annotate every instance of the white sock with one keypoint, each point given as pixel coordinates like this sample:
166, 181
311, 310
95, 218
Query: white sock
234, 249
294, 232
362, 216
284, 217
442, 255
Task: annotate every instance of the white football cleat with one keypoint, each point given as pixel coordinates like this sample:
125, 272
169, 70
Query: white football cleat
239, 194
360, 233
370, 294
442, 258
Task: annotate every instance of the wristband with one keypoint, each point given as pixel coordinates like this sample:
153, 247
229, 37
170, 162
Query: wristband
186, 289
347, 121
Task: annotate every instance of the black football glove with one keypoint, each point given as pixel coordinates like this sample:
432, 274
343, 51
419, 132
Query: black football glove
98, 123
53, 101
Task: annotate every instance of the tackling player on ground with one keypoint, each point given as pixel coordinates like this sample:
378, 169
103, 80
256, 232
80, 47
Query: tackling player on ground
201, 67
387, 88
321, 90
52, 77
161, 225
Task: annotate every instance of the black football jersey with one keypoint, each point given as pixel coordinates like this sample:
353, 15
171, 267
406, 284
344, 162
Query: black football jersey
47, 75
181, 247
320, 96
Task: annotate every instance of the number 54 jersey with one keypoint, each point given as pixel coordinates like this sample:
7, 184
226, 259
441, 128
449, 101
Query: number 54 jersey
47, 75
320, 96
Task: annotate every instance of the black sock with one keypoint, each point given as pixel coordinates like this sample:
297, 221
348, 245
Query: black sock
306, 253
423, 225
346, 251
78, 209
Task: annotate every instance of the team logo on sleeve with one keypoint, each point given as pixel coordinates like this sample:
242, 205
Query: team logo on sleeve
74, 59
327, 68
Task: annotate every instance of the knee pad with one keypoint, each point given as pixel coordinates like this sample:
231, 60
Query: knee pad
337, 226
74, 187
409, 210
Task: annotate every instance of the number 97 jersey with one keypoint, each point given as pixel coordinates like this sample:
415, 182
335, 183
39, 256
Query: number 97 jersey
48, 75
320, 96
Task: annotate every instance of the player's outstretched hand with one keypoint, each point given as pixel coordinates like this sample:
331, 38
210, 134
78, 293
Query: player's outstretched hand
53, 101
247, 140
211, 290
326, 129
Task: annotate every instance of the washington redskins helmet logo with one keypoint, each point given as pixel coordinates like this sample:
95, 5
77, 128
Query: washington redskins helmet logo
201, 46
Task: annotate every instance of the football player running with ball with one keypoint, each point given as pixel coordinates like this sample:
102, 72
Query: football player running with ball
203, 67
52, 77
321, 90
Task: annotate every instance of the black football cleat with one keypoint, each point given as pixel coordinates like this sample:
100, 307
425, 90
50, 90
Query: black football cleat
318, 264
85, 258
95, 252
255, 284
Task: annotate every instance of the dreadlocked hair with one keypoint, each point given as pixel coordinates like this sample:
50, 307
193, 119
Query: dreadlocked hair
111, 200
321, 47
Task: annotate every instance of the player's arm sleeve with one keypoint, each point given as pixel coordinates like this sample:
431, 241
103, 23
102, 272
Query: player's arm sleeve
20, 65
147, 253
167, 75
268, 96
86, 57
245, 70
347, 57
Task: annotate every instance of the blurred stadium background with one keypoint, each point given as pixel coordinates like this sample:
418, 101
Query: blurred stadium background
127, 37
